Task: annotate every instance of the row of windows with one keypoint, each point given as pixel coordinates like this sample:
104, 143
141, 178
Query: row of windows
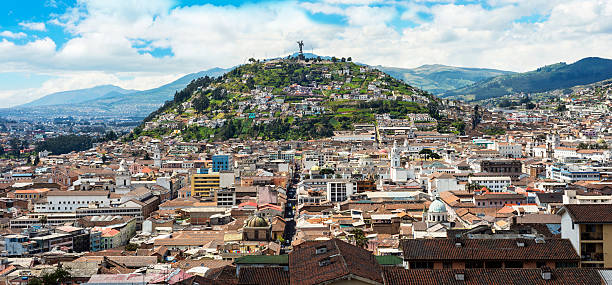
483, 182
498, 203
75, 202
28, 195
488, 264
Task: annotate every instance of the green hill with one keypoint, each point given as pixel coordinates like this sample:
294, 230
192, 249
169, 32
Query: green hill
547, 78
285, 99
437, 78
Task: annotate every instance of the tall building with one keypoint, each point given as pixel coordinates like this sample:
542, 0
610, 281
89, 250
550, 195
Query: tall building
220, 162
203, 182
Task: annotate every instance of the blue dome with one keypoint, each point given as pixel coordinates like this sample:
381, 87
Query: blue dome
437, 206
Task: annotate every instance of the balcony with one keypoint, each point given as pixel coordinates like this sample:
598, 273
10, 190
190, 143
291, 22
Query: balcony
592, 256
586, 236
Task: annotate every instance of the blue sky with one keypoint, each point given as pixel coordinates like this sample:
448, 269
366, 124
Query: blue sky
56, 45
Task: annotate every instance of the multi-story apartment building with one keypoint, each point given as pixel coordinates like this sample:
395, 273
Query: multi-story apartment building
203, 183
493, 183
570, 174
589, 229
220, 162
226, 197
510, 150
340, 190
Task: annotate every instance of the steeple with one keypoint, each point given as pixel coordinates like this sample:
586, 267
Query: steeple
395, 156
123, 178
156, 156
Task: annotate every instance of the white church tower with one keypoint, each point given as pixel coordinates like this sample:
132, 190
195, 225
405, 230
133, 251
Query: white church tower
156, 156
398, 173
395, 156
123, 179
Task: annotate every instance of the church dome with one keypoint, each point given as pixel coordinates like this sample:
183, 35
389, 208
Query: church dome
256, 222
437, 206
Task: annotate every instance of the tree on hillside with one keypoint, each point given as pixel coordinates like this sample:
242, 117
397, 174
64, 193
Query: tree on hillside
65, 144
110, 136
200, 103
217, 94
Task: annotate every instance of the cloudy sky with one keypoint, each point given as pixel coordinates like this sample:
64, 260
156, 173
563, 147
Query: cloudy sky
55, 45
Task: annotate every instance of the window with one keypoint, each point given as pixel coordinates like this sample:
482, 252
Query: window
541, 264
421, 265
474, 264
321, 250
514, 264
493, 264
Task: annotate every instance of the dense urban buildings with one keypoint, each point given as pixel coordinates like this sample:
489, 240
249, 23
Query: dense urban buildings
310, 170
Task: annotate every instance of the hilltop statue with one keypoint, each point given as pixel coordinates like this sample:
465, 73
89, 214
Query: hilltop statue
301, 45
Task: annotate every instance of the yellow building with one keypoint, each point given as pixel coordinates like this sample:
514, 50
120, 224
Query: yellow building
202, 184
589, 228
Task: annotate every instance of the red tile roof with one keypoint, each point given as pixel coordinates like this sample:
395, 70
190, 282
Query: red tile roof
340, 260
592, 213
488, 249
398, 275
263, 276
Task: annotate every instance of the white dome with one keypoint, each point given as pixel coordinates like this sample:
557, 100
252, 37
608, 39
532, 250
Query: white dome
437, 206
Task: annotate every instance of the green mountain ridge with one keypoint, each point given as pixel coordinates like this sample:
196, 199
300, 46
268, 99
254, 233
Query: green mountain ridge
438, 79
547, 78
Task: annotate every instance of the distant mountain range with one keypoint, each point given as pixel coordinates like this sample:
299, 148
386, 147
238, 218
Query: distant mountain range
551, 77
109, 100
469, 84
438, 79
106, 100
78, 96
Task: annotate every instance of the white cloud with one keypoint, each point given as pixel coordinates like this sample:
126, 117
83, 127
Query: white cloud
11, 35
109, 37
34, 26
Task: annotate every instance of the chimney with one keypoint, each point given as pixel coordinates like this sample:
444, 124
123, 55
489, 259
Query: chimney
459, 275
546, 273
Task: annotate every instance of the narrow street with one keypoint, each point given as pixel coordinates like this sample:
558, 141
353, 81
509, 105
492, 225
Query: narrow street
290, 210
